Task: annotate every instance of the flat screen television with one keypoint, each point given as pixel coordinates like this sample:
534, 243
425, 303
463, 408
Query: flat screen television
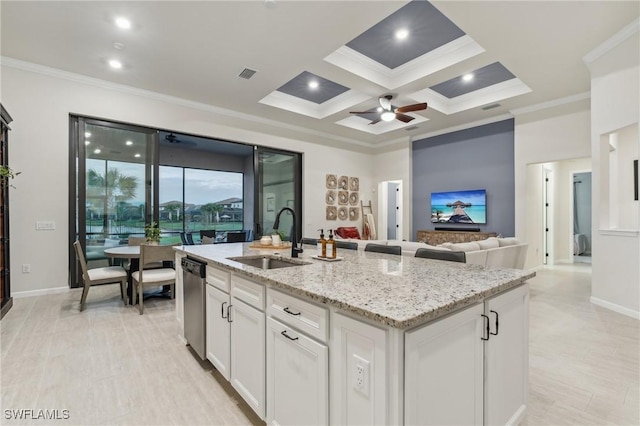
465, 207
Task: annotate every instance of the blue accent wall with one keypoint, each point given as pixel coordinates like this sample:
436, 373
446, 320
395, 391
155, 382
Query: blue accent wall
476, 158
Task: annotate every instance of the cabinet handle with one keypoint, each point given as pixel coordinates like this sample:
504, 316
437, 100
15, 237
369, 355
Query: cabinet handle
486, 321
229, 313
284, 333
291, 313
497, 323
222, 310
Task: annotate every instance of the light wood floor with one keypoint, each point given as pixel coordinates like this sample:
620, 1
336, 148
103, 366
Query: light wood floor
109, 365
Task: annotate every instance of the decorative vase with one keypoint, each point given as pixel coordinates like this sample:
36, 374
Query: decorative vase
265, 240
275, 240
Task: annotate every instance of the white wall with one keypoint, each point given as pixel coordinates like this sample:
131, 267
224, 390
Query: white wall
40, 106
549, 139
615, 94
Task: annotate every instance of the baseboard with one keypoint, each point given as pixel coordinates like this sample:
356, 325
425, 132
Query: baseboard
31, 293
616, 308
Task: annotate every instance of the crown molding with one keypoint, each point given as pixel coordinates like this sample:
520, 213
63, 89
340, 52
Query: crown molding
551, 104
609, 44
121, 88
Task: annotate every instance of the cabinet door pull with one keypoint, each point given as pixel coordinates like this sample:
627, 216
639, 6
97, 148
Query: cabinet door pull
497, 323
222, 310
486, 321
284, 333
229, 313
291, 313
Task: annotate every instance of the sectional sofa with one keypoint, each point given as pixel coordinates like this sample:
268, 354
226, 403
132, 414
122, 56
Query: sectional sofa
500, 252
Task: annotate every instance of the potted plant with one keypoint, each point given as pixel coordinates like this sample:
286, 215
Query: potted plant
5, 174
152, 232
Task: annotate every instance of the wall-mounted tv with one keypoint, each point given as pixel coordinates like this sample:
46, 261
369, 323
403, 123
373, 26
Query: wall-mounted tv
466, 207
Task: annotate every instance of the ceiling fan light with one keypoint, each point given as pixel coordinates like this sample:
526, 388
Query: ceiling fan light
387, 116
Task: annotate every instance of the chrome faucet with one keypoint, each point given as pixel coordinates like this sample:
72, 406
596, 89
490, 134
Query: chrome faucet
295, 250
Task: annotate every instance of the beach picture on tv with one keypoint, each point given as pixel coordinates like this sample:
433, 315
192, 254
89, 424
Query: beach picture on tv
469, 207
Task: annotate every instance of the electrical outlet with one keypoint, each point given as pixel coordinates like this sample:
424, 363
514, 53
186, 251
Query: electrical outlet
361, 375
26, 268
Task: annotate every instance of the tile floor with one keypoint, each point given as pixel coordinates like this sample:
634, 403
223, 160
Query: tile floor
109, 365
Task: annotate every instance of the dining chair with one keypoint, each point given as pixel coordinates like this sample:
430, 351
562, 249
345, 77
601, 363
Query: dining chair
189, 237
211, 233
148, 276
236, 237
349, 245
104, 275
451, 256
382, 248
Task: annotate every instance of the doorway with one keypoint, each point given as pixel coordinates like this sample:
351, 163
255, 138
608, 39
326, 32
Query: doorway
390, 210
581, 219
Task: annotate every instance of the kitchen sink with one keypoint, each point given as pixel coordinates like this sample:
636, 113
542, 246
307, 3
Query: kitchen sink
267, 262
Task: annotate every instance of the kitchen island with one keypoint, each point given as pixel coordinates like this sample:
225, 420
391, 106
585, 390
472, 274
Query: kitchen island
371, 339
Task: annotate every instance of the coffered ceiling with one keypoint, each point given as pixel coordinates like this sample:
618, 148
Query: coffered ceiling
517, 54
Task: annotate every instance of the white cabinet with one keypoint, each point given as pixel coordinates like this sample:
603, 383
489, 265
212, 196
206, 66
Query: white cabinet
218, 330
235, 336
444, 371
470, 368
248, 354
507, 357
297, 377
359, 376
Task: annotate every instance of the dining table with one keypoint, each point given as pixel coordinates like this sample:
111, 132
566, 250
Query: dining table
132, 254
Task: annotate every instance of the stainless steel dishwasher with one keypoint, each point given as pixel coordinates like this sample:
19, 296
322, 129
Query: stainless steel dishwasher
194, 273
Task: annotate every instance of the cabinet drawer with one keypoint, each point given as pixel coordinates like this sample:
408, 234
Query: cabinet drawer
297, 313
218, 278
248, 291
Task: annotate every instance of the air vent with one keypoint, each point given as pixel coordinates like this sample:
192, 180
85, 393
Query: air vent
247, 73
490, 107
411, 128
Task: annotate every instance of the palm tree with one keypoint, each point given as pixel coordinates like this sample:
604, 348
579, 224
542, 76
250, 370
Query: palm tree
209, 209
172, 207
113, 188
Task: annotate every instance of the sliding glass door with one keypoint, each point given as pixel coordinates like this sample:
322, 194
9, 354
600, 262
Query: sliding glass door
113, 193
278, 184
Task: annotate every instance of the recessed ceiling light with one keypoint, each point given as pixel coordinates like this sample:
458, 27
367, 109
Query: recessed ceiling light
115, 64
467, 77
402, 33
137, 155
129, 143
97, 151
87, 134
87, 142
123, 23
313, 84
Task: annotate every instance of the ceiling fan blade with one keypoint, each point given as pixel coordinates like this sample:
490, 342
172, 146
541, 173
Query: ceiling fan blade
404, 118
377, 120
362, 112
414, 107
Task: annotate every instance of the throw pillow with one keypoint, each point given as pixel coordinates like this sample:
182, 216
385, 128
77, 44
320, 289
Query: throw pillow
348, 232
465, 247
207, 240
511, 241
488, 244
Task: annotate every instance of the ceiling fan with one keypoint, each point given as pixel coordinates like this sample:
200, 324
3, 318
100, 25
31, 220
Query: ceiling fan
389, 113
173, 139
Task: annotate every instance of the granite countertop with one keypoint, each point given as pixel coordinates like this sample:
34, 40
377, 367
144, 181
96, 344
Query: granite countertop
399, 291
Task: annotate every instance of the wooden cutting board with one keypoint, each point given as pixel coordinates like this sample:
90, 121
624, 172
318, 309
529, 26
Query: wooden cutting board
272, 247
